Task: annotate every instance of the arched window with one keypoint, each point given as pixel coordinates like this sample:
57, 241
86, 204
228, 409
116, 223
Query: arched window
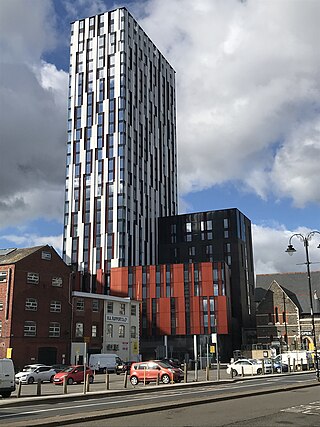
277, 314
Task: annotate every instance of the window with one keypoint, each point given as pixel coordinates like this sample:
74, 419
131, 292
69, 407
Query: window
33, 278
95, 305
46, 255
110, 331
3, 276
57, 281
109, 307
277, 314
30, 328
188, 227
79, 330
133, 310
0, 328
55, 306
133, 332
31, 304
284, 317
80, 304
54, 329
1, 305
122, 309
121, 331
94, 331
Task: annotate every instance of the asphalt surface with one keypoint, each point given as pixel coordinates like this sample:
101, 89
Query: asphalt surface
141, 398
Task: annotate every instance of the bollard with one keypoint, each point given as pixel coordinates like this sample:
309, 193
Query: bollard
158, 378
125, 380
144, 375
242, 371
39, 388
185, 373
107, 381
289, 365
87, 384
19, 389
65, 391
232, 373
301, 364
218, 371
172, 380
263, 369
196, 371
207, 373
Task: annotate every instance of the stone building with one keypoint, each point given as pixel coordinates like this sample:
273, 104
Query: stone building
283, 310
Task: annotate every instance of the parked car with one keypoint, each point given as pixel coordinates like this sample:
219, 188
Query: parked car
173, 362
124, 367
151, 370
33, 373
245, 366
73, 374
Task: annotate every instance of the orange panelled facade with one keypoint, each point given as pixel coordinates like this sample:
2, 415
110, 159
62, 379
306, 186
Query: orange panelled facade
177, 299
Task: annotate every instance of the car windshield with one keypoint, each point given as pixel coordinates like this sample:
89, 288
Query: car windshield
28, 369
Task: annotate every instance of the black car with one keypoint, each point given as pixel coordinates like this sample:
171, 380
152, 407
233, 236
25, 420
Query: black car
173, 362
124, 367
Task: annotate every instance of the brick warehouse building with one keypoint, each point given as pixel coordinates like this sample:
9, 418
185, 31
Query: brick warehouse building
35, 311
178, 302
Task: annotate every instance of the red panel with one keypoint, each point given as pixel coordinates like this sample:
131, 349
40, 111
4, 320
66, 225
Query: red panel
195, 315
119, 282
222, 315
152, 281
100, 281
180, 316
207, 286
178, 280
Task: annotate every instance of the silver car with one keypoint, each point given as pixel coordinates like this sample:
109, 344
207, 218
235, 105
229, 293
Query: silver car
34, 373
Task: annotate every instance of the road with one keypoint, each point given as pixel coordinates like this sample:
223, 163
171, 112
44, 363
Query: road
150, 398
298, 408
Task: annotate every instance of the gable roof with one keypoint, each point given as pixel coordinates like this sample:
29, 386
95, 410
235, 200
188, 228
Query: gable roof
296, 286
14, 255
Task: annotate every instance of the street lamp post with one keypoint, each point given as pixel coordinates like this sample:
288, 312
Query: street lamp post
290, 250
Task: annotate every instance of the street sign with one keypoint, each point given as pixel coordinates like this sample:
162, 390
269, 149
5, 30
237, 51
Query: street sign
214, 338
212, 348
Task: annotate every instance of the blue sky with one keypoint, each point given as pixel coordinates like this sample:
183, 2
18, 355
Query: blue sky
248, 102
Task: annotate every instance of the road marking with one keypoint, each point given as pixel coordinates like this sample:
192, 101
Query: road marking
312, 408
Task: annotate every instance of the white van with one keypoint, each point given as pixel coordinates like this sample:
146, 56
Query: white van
104, 362
7, 382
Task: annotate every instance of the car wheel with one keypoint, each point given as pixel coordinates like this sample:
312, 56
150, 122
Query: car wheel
91, 379
259, 371
70, 381
30, 380
298, 367
278, 370
5, 394
234, 372
134, 380
51, 378
165, 379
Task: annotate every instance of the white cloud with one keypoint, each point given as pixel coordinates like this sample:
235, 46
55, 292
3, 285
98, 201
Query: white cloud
270, 245
33, 115
30, 240
248, 77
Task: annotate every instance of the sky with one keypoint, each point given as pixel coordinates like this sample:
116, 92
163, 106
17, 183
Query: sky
248, 122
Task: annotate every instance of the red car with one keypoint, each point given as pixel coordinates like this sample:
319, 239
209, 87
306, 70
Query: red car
151, 370
73, 374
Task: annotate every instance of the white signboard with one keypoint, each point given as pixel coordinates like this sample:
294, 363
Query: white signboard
117, 319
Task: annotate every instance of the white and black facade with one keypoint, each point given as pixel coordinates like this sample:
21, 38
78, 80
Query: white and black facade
121, 172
